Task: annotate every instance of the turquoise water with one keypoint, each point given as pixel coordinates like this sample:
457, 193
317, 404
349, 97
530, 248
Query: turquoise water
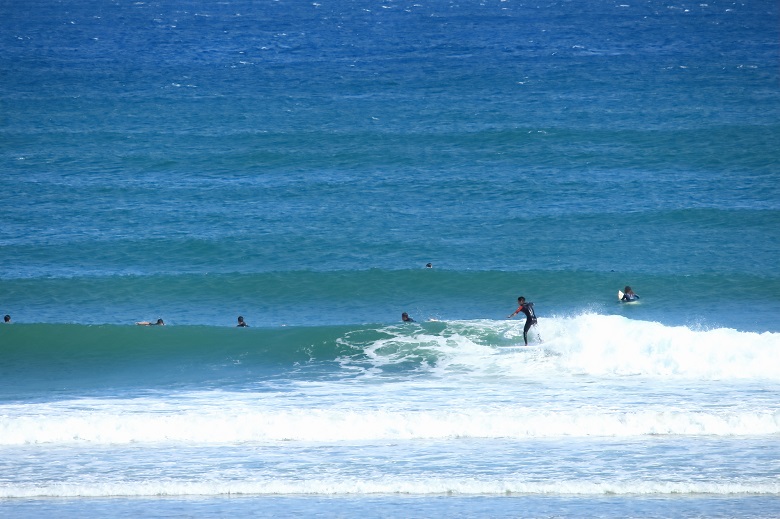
314, 298
299, 164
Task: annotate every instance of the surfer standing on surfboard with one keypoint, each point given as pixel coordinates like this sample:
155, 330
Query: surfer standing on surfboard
530, 316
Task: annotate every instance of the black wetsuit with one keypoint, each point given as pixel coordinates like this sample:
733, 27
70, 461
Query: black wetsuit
530, 318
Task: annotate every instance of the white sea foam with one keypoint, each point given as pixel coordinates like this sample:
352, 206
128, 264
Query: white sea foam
593, 344
386, 485
259, 424
603, 345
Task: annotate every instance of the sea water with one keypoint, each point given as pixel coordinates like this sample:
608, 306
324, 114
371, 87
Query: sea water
299, 164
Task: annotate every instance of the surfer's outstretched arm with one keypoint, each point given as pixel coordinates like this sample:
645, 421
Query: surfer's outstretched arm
520, 307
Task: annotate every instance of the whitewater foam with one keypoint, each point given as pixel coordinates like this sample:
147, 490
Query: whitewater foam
263, 423
592, 344
387, 485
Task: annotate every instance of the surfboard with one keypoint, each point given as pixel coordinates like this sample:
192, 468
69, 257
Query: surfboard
519, 348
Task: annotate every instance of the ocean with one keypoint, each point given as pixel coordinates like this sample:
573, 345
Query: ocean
300, 164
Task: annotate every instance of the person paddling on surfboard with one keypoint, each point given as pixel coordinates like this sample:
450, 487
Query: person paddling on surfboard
530, 316
159, 322
628, 294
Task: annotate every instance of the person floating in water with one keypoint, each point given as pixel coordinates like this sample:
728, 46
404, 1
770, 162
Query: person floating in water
159, 322
628, 294
241, 323
530, 316
405, 318
429, 266
7, 319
